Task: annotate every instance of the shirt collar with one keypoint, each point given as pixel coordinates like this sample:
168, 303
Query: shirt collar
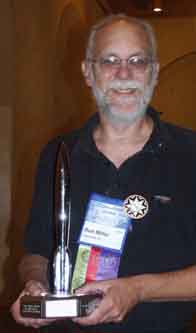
156, 143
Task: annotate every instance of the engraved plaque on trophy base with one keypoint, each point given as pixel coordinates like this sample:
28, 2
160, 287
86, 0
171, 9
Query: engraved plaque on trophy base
51, 306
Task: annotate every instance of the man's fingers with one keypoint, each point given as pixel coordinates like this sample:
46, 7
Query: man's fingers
93, 288
34, 288
100, 314
15, 310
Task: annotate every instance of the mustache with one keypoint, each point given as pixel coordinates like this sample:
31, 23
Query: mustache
128, 84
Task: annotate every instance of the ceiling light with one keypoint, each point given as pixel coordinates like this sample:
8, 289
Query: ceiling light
157, 6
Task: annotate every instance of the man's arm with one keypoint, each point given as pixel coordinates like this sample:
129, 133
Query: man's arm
172, 286
34, 268
121, 295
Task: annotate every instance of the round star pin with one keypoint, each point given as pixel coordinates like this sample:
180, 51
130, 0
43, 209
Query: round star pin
136, 206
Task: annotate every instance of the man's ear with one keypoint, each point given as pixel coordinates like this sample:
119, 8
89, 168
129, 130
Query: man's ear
156, 72
157, 69
86, 70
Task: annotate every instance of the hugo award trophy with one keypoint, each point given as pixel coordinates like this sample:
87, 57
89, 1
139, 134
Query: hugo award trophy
60, 303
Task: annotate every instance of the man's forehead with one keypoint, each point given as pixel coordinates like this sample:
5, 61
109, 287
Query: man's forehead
121, 23
122, 29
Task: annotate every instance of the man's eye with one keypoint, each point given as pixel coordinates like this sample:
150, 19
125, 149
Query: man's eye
137, 61
110, 61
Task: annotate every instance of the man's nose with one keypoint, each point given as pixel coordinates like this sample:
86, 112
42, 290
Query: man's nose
124, 71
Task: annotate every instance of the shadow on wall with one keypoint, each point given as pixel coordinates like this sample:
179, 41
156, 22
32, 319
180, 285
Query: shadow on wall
72, 98
175, 93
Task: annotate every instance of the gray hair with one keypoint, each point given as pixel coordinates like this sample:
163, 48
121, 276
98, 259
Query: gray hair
115, 18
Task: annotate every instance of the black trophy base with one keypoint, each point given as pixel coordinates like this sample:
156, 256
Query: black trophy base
52, 306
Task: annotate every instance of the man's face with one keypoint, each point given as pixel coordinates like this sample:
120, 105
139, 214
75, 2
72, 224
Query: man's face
122, 75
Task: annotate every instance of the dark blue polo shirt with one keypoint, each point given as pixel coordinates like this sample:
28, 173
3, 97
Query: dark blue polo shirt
164, 240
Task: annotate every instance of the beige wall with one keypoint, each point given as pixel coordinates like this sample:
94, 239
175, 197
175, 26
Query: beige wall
176, 37
175, 94
50, 95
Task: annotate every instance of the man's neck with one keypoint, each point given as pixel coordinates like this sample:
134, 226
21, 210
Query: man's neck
120, 141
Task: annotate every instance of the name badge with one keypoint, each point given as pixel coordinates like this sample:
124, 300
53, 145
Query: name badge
105, 224
101, 241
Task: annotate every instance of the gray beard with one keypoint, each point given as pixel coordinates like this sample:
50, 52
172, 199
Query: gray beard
125, 118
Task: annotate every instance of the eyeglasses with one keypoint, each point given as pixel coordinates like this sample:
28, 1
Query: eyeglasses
112, 63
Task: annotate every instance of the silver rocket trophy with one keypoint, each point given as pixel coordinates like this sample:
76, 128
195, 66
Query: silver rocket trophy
60, 302
61, 263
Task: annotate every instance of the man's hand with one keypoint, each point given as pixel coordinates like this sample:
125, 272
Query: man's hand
33, 288
119, 297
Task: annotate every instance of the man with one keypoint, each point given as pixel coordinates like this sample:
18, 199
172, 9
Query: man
127, 157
